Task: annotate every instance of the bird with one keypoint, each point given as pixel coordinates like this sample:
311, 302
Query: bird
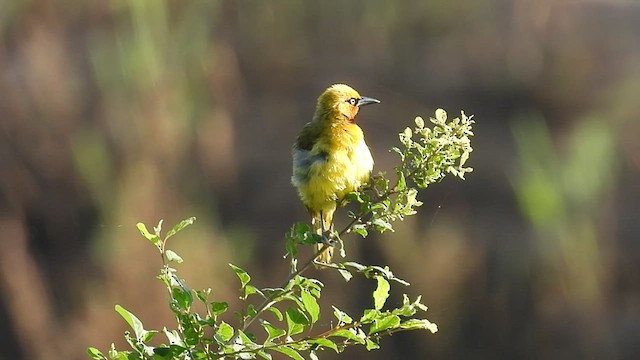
331, 158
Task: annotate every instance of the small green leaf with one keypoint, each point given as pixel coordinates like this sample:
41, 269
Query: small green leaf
149, 236
382, 225
224, 333
355, 265
96, 354
181, 225
388, 322
276, 312
148, 336
251, 311
219, 307
408, 133
242, 275
291, 246
381, 293
369, 316
158, 229
167, 352
133, 321
402, 183
348, 334
346, 274
323, 342
296, 321
299, 229
289, 352
174, 337
182, 297
414, 324
371, 345
360, 229
342, 316
143, 230
272, 331
203, 294
172, 256
250, 290
246, 338
441, 116
310, 305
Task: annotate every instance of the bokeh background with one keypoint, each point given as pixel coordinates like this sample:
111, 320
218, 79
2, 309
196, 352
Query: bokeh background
115, 112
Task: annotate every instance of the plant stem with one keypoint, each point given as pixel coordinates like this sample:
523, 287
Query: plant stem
270, 300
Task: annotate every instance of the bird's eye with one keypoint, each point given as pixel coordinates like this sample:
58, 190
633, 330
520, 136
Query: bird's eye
353, 101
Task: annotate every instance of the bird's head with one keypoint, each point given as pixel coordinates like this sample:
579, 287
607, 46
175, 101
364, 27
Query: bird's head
341, 101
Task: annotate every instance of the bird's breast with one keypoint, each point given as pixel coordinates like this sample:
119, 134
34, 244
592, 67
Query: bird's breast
336, 165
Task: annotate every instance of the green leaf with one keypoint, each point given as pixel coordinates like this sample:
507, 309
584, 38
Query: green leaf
149, 236
291, 245
402, 183
348, 334
346, 274
251, 311
360, 229
276, 312
310, 305
289, 352
242, 275
381, 293
133, 321
272, 331
441, 116
181, 225
355, 265
296, 321
408, 133
172, 256
246, 338
174, 337
149, 335
170, 352
299, 229
224, 333
371, 345
388, 322
342, 316
182, 297
415, 324
381, 225
96, 354
369, 316
263, 354
203, 294
325, 343
250, 289
219, 307
301, 234
158, 229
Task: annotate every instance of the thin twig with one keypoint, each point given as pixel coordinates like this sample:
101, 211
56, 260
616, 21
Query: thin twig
270, 300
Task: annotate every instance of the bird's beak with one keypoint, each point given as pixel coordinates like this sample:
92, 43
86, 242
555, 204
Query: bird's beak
366, 101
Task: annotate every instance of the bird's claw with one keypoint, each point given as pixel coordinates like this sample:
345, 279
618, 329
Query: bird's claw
328, 238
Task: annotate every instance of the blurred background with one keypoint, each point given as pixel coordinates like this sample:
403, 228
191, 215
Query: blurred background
118, 112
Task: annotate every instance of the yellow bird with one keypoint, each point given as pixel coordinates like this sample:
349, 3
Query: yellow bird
330, 157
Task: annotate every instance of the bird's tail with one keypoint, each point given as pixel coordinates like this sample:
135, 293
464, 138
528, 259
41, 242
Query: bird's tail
323, 221
326, 255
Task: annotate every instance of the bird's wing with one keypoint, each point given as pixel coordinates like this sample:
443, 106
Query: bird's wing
306, 153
